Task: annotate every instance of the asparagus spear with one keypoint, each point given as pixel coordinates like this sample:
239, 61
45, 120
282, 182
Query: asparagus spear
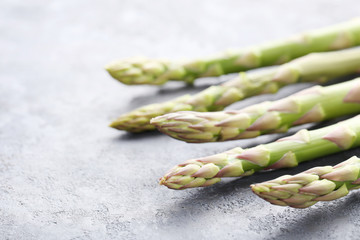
311, 105
286, 152
313, 67
156, 72
316, 184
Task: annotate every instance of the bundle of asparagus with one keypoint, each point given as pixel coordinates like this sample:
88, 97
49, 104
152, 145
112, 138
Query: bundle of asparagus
311, 105
286, 152
316, 67
317, 184
176, 118
147, 71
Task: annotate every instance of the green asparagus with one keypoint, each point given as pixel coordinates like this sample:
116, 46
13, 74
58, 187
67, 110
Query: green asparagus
156, 72
317, 184
286, 152
315, 67
311, 105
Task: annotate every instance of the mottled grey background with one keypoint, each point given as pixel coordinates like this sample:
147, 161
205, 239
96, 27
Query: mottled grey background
65, 175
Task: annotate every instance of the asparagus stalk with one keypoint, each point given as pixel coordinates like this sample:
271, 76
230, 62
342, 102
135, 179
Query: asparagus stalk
156, 72
316, 184
311, 105
286, 152
315, 67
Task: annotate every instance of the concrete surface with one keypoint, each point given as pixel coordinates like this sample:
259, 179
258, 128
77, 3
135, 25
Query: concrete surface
65, 175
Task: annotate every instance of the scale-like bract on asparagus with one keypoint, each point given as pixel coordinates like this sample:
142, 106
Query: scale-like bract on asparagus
310, 105
316, 184
156, 72
315, 67
286, 152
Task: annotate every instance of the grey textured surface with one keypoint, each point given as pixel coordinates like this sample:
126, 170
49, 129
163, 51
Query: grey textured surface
65, 175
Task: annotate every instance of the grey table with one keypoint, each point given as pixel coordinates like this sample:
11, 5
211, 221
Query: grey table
65, 175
